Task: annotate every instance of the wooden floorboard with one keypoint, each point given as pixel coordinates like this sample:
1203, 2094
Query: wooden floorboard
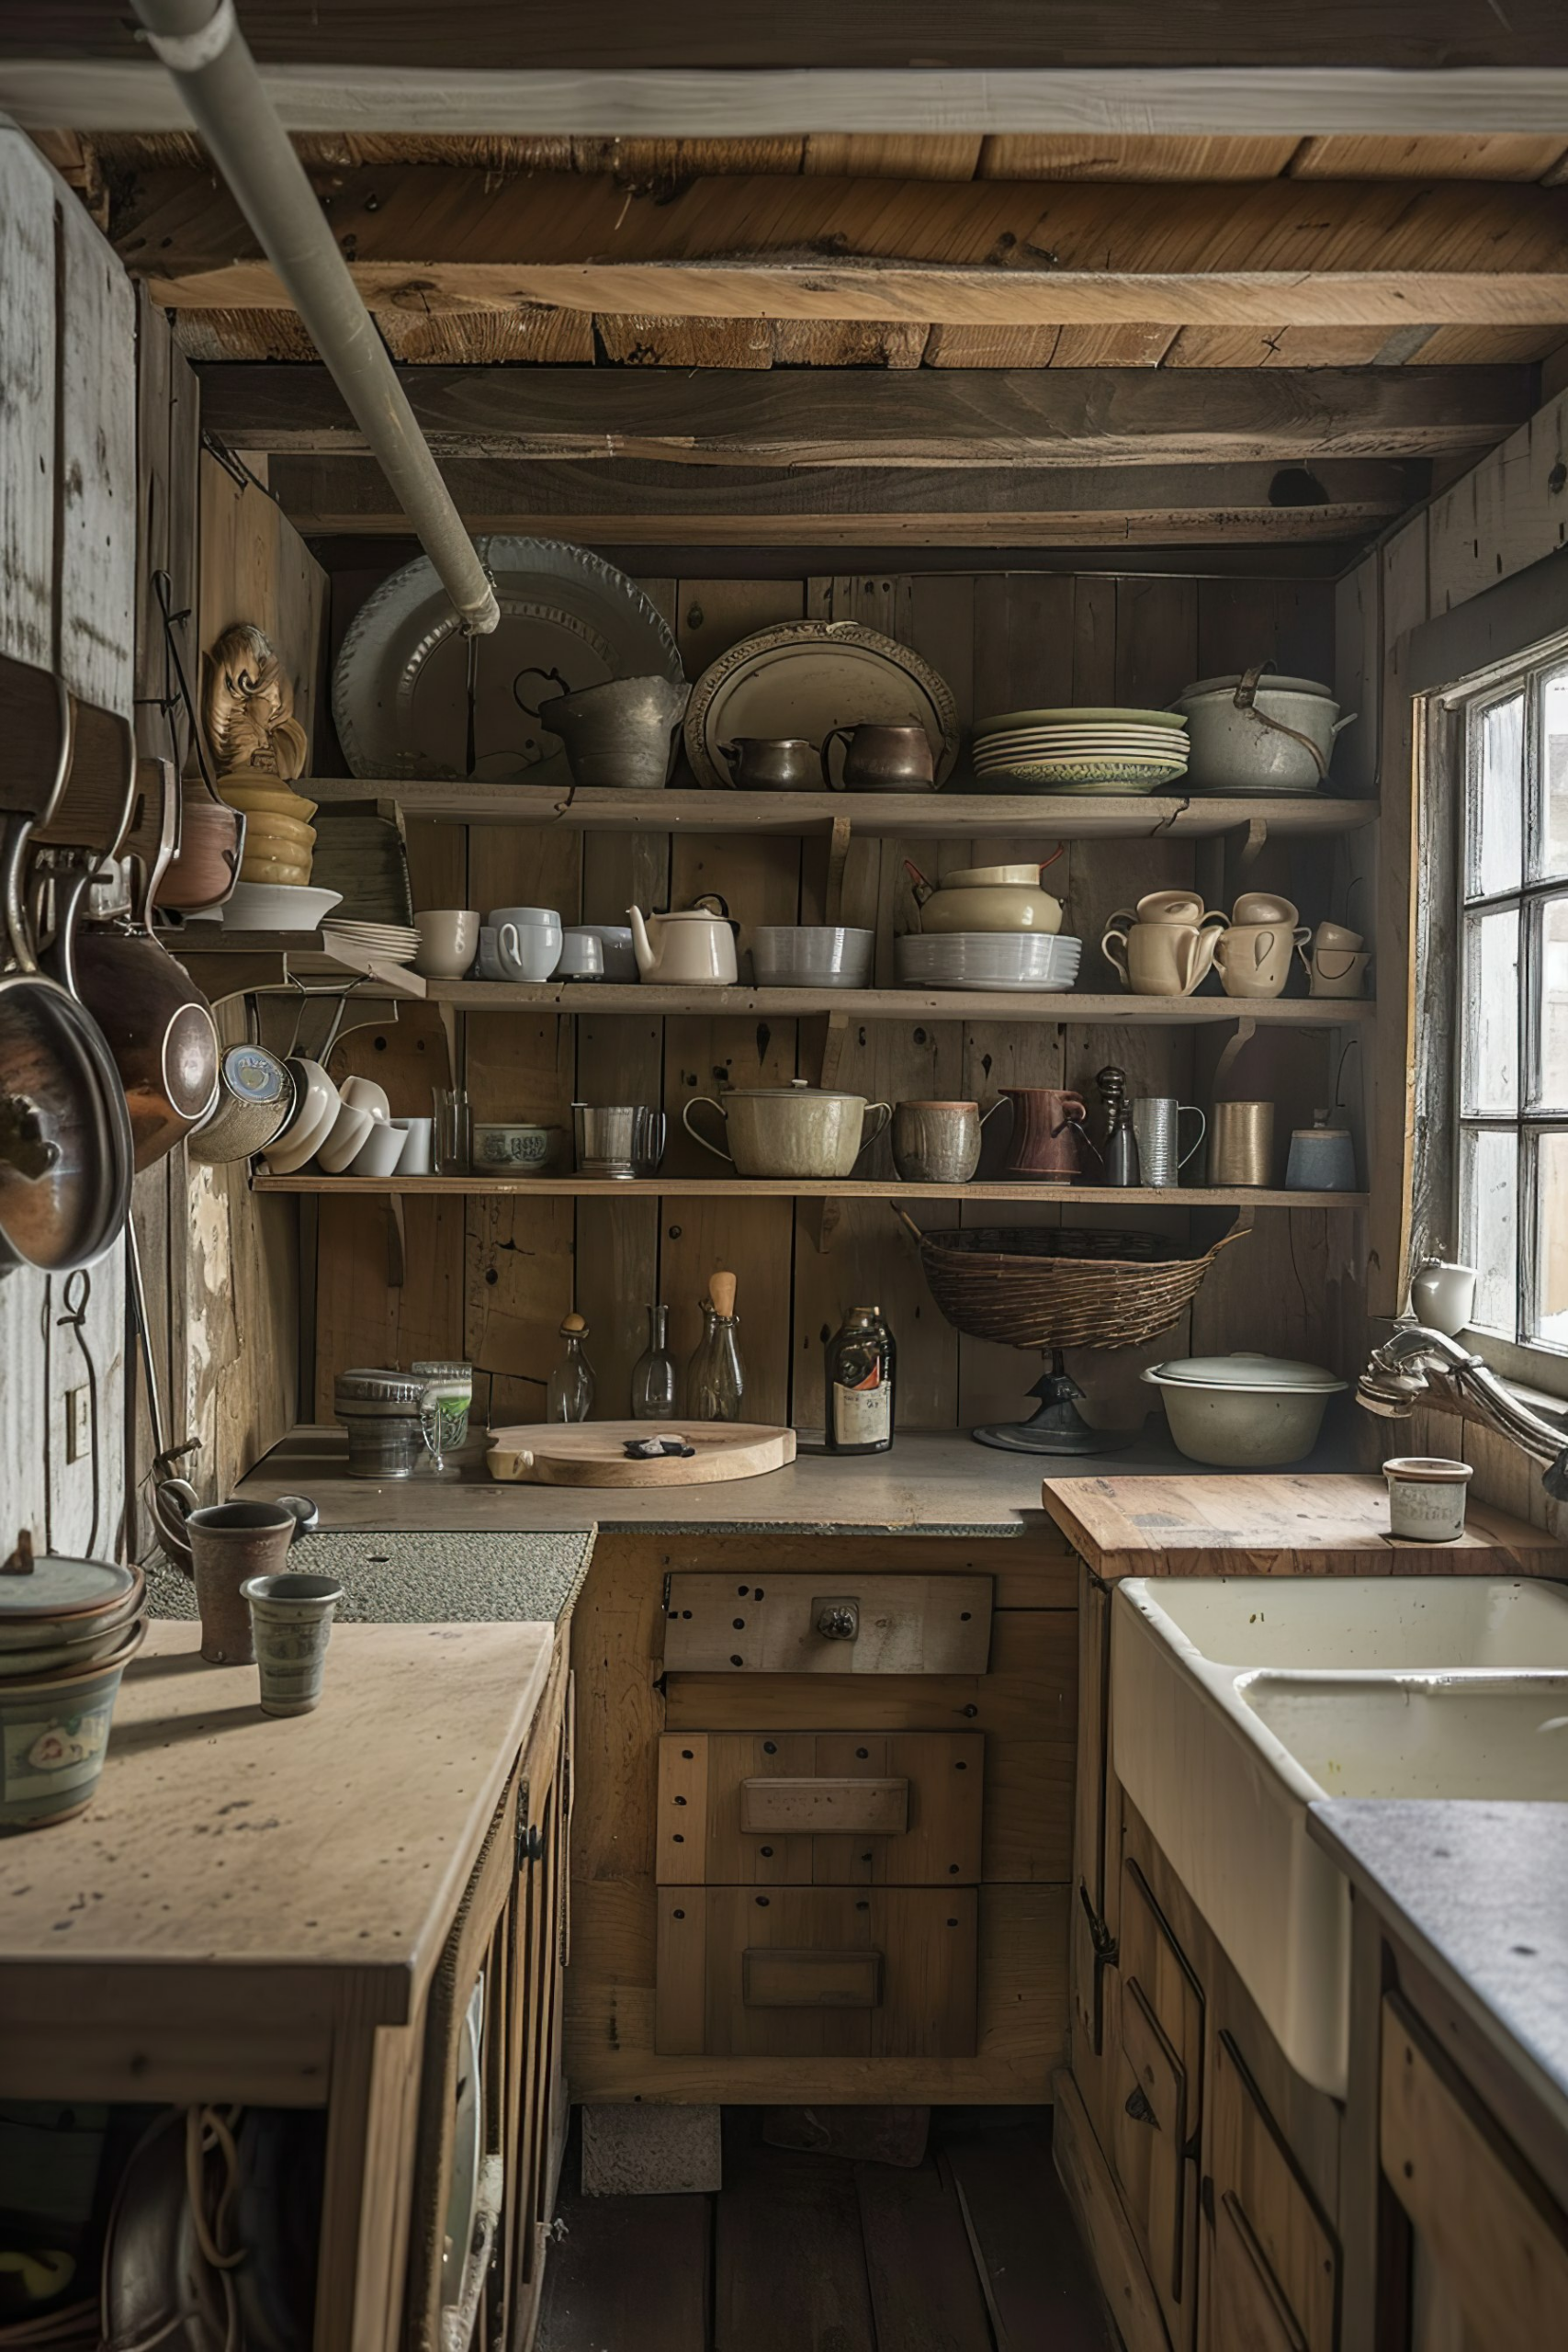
789, 2271
1036, 2282
925, 2293
972, 2250
628, 2274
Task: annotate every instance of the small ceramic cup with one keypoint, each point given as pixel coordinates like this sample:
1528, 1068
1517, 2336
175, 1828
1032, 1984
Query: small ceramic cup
527, 951
382, 1148
229, 1542
448, 938
1335, 936
1426, 1498
1335, 972
415, 1157
1264, 906
365, 1095
1254, 959
291, 1617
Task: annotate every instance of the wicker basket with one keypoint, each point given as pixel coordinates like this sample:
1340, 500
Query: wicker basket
1060, 1287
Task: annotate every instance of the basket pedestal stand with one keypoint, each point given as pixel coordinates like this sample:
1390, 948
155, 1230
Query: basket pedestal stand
1058, 1426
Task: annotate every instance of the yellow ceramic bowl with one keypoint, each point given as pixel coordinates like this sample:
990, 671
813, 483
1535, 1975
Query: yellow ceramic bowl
267, 799
279, 836
275, 869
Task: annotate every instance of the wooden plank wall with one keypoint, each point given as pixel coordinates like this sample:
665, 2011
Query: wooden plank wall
490, 1278
1496, 520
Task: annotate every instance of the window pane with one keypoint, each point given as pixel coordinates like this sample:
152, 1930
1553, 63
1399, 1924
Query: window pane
1492, 1012
1496, 799
1552, 1016
1554, 771
1549, 1308
1489, 1225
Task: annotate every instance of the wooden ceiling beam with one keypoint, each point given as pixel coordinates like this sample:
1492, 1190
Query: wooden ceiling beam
997, 252
1093, 506
864, 418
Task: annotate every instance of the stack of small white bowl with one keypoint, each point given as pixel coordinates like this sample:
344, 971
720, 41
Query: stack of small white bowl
986, 959
1084, 750
347, 1130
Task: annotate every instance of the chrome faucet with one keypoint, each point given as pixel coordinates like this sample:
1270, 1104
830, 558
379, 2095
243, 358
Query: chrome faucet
1398, 1374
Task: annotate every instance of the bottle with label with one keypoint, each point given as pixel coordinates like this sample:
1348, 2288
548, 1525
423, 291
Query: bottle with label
862, 1359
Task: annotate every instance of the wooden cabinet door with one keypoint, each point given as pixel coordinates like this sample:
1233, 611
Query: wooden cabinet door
830, 1624
1491, 2253
536, 2094
1154, 2102
1272, 2264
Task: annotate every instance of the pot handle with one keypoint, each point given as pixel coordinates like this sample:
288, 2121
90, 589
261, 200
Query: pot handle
551, 677
719, 906
877, 1133
834, 735
717, 1150
1341, 724
173, 1500
1245, 699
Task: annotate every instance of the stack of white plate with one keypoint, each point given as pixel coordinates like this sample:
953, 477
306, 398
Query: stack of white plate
394, 942
986, 959
1082, 750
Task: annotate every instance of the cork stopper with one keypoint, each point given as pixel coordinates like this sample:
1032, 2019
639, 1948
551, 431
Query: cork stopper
572, 1327
721, 1290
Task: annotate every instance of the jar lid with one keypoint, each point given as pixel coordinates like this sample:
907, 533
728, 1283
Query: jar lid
378, 1388
62, 1588
1267, 684
1241, 1371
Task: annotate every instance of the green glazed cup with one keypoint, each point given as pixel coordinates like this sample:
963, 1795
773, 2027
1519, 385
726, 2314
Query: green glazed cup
292, 1620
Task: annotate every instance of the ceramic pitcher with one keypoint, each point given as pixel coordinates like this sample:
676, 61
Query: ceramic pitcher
1047, 1134
879, 758
1158, 959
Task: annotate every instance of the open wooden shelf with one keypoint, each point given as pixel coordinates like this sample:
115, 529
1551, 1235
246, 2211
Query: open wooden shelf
741, 1188
894, 814
891, 1004
233, 963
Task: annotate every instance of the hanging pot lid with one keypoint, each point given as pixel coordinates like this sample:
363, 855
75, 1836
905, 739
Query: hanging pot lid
57, 1586
1267, 684
1253, 1372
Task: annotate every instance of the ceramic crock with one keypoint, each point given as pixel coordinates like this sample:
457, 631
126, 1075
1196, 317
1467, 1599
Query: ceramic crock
986, 898
790, 1131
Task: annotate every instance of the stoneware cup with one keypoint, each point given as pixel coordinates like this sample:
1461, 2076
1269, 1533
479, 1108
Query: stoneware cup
1171, 906
1425, 1497
1334, 973
292, 1617
1264, 906
527, 951
415, 1157
1253, 959
231, 1542
448, 940
1160, 958
1336, 936
938, 1143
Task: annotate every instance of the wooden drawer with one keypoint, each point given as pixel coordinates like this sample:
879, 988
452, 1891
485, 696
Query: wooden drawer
831, 1623
820, 1808
816, 1972
1273, 2266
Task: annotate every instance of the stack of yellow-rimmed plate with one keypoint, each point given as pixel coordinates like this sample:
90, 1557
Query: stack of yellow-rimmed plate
1092, 749
279, 837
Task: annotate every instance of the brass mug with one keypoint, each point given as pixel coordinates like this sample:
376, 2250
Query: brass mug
1241, 1144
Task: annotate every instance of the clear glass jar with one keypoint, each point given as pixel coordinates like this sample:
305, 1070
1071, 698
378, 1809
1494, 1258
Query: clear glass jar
653, 1375
570, 1394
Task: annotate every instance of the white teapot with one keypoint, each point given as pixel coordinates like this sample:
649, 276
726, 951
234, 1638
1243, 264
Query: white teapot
692, 947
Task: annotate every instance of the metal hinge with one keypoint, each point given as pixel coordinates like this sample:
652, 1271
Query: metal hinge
527, 1841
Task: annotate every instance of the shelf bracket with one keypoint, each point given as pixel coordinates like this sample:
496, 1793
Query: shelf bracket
1243, 850
397, 1242
822, 1220
1245, 1030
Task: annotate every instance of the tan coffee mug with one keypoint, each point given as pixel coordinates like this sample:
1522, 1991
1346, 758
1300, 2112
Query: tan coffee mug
1169, 906
448, 942
1336, 936
1254, 959
1263, 905
1160, 958
1241, 1143
1335, 974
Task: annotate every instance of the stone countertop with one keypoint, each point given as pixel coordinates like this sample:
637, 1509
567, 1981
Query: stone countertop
932, 1483
1479, 1893
456, 1577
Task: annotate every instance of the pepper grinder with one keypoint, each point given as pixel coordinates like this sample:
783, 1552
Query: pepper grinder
1121, 1164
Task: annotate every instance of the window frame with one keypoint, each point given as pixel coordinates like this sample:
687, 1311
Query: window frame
1450, 751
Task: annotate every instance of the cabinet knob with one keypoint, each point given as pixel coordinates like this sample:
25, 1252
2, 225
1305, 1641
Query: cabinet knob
839, 1621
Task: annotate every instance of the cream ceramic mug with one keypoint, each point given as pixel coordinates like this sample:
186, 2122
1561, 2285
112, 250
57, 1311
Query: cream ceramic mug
1254, 959
1254, 907
448, 942
1168, 906
1336, 936
1160, 958
1335, 974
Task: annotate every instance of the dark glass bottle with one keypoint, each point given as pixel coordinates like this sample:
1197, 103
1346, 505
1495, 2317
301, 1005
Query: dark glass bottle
862, 1359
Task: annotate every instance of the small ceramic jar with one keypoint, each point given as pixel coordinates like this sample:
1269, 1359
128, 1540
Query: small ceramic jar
1425, 1497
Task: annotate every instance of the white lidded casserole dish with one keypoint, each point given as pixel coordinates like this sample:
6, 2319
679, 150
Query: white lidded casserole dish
1244, 1412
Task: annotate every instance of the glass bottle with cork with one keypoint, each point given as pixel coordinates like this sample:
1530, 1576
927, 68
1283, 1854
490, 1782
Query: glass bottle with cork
653, 1375
716, 1382
570, 1397
861, 1360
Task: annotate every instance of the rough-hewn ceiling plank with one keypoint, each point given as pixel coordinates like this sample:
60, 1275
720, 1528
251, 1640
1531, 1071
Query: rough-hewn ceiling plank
975, 253
895, 418
1006, 506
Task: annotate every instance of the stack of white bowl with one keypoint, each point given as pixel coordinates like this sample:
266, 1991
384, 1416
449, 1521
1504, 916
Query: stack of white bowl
347, 1130
999, 960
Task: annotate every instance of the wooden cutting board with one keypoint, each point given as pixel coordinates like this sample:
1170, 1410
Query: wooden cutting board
592, 1453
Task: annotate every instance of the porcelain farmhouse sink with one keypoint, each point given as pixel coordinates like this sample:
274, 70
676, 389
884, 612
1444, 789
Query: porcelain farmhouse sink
1236, 1702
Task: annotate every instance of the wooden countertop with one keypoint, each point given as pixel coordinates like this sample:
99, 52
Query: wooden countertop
1279, 1523
313, 1863
932, 1483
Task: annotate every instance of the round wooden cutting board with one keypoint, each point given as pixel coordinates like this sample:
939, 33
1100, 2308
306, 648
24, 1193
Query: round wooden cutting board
592, 1453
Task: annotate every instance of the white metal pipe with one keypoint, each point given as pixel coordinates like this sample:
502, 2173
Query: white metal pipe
201, 44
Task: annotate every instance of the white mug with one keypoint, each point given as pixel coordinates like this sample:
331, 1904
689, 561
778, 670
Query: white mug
448, 937
415, 1157
528, 951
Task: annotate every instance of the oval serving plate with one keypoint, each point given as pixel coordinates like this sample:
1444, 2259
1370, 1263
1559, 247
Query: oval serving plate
568, 621
803, 678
